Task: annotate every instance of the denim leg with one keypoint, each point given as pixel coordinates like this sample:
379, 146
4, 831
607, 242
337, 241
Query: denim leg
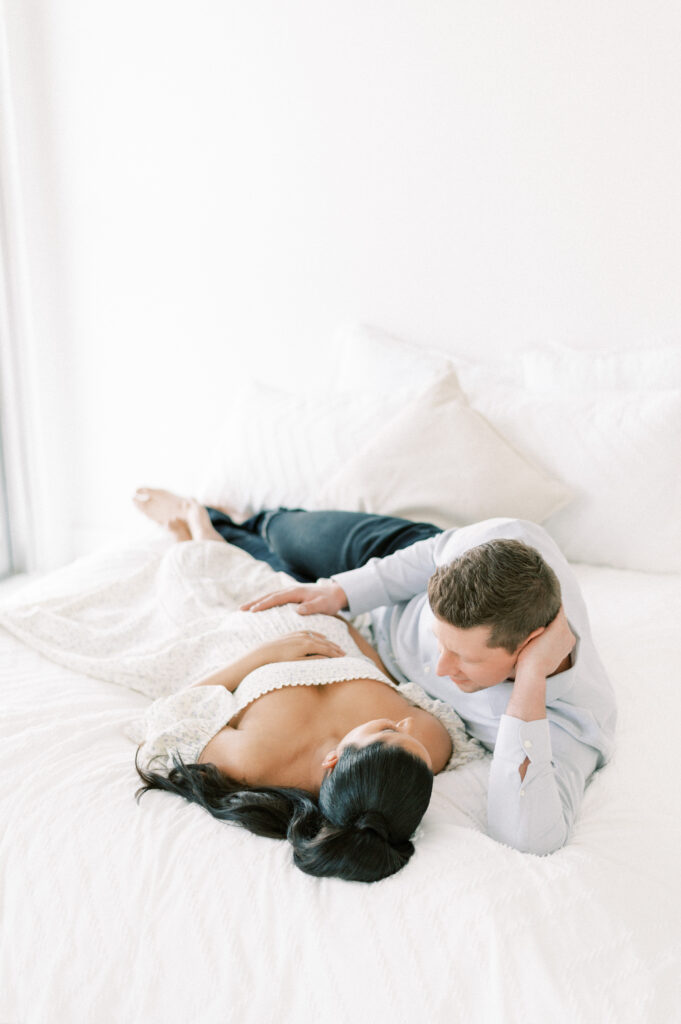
247, 537
319, 544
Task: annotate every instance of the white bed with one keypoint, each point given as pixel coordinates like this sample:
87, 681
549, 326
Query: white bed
115, 912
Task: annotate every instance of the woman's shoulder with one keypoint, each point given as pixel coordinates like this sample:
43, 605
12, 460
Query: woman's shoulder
181, 724
230, 751
464, 747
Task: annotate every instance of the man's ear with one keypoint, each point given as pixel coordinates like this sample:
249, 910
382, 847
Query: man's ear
526, 641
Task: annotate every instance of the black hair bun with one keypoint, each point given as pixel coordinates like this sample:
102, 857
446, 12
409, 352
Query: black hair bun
375, 822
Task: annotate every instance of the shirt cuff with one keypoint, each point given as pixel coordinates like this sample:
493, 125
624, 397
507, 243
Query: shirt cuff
518, 739
362, 589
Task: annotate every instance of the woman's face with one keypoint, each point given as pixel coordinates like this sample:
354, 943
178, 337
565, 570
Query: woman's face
401, 734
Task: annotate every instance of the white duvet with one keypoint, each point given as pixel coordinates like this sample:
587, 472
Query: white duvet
117, 912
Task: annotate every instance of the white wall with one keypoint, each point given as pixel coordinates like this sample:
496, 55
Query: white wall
210, 188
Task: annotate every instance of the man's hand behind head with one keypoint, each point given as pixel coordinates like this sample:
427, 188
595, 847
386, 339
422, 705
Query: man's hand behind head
549, 649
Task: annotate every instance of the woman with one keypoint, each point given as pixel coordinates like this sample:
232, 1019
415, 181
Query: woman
333, 756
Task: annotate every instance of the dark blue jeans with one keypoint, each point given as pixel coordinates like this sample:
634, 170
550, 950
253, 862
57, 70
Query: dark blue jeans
310, 545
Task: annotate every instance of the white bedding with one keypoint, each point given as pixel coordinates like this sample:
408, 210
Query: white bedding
117, 912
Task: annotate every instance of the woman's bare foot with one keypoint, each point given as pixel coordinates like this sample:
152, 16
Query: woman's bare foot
161, 506
179, 529
186, 518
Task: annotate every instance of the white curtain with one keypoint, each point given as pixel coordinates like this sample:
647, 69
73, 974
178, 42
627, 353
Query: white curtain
6, 560
38, 540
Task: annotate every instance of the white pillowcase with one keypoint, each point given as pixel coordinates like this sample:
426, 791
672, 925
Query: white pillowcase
574, 413
438, 461
568, 421
620, 451
278, 448
558, 369
374, 361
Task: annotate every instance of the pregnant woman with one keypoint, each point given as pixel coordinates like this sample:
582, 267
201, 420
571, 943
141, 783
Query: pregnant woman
305, 736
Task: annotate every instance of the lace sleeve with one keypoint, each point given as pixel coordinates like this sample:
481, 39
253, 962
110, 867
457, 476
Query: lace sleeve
181, 723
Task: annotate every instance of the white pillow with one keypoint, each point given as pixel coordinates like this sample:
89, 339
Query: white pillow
438, 461
620, 452
372, 360
559, 369
277, 448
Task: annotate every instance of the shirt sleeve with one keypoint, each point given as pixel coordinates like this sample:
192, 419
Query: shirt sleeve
536, 814
405, 573
182, 723
397, 577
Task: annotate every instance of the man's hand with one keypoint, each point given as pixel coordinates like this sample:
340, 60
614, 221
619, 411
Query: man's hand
312, 598
545, 654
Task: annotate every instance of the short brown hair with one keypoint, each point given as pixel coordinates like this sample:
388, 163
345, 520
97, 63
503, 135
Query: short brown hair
504, 584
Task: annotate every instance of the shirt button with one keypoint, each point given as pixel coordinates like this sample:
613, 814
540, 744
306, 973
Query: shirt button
522, 792
426, 669
528, 744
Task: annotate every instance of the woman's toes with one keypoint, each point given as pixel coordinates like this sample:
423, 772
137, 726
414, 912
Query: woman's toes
159, 505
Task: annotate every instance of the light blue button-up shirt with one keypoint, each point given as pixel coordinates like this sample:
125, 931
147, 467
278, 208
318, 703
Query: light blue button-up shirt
534, 814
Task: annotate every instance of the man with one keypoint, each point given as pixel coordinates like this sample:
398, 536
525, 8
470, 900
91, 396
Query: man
488, 617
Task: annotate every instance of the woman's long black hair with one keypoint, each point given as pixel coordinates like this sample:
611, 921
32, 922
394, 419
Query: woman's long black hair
370, 804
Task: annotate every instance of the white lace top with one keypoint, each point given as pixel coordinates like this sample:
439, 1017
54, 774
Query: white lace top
184, 722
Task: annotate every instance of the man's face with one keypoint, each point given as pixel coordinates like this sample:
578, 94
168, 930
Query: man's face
466, 658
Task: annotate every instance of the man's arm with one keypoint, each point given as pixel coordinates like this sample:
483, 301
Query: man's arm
394, 578
382, 581
538, 772
535, 813
405, 573
400, 576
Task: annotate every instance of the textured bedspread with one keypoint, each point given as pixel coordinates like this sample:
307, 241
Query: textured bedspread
113, 911
156, 621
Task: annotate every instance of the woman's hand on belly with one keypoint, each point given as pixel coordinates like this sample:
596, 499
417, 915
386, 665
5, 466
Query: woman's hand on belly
291, 647
296, 646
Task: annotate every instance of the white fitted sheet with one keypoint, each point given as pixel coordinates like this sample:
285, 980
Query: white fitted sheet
113, 911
